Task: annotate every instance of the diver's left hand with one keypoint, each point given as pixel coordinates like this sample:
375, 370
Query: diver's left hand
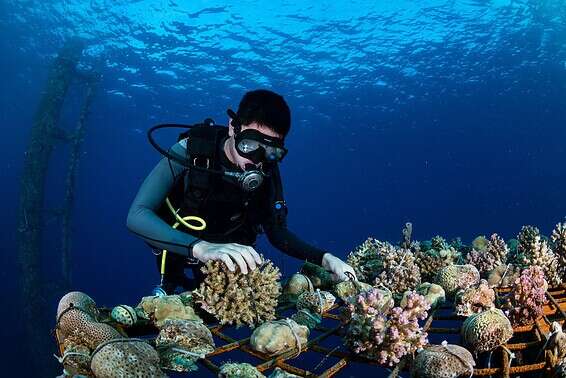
337, 267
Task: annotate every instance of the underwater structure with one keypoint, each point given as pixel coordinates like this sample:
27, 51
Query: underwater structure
470, 321
46, 134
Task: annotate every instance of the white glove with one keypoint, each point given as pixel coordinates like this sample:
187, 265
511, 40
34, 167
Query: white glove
337, 267
246, 257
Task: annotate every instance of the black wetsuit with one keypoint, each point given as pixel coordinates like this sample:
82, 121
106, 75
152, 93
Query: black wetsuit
147, 218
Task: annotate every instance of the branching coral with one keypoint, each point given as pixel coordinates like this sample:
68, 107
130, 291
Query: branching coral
475, 299
534, 250
400, 273
558, 239
433, 256
489, 255
239, 298
487, 330
443, 361
457, 277
365, 260
528, 296
382, 332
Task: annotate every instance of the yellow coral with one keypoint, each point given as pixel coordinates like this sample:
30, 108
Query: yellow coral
236, 298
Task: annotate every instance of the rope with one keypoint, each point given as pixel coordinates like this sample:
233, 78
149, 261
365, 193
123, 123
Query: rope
321, 301
62, 359
504, 274
511, 355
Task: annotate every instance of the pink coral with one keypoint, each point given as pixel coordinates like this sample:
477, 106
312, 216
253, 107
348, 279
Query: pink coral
382, 332
528, 296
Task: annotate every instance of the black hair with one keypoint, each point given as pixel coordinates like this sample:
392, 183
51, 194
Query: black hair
267, 108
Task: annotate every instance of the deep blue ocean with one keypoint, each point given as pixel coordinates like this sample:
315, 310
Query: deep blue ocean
449, 114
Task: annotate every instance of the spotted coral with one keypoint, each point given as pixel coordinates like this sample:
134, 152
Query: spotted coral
237, 370
382, 332
316, 302
182, 342
126, 358
443, 361
475, 299
486, 330
236, 298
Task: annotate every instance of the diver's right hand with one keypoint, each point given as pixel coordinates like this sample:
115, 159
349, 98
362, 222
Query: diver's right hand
230, 253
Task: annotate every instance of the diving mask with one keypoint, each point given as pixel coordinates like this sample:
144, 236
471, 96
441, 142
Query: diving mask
256, 146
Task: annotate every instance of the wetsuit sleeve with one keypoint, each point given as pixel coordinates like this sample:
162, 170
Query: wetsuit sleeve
142, 216
290, 244
280, 236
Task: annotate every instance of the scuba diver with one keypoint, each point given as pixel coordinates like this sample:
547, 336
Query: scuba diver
215, 190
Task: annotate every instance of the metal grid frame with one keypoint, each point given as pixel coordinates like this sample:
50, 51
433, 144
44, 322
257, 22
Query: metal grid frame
536, 335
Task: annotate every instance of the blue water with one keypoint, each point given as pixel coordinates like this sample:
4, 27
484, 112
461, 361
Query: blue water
448, 114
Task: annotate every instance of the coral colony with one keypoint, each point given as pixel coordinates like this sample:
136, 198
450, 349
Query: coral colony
491, 285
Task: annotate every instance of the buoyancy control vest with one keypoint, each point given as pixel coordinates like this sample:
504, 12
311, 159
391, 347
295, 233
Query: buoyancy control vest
232, 215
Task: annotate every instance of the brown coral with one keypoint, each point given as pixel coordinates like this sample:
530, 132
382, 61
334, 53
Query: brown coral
487, 330
503, 275
558, 239
316, 302
277, 336
400, 273
346, 289
431, 260
475, 299
161, 308
182, 342
236, 298
488, 255
434, 294
365, 260
126, 358
236, 370
457, 277
443, 361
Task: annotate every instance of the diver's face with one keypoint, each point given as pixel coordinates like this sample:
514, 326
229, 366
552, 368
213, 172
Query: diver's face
234, 156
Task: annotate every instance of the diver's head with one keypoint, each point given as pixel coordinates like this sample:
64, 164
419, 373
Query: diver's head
263, 118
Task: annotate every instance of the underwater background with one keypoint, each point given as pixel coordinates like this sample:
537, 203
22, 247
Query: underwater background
447, 114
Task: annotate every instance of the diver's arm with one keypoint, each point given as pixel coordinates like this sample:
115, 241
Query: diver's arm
142, 217
289, 243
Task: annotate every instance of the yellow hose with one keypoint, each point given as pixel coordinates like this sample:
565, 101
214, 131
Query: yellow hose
184, 222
